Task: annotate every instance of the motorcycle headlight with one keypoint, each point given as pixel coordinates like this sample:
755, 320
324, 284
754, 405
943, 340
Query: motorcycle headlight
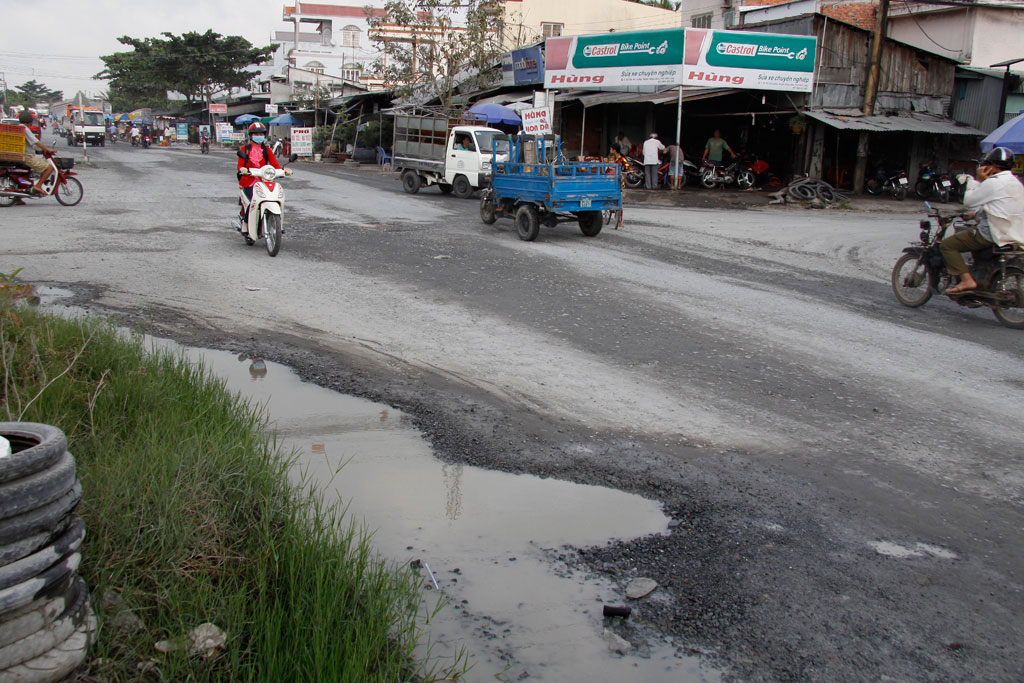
269, 172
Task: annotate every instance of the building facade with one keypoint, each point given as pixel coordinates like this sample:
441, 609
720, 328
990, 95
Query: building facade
529, 21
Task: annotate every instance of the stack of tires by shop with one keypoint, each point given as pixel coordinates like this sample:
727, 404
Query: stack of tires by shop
46, 619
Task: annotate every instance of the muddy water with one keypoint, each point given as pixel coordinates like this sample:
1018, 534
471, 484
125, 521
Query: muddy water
489, 540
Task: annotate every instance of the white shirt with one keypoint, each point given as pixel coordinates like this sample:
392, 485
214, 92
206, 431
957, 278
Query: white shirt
651, 148
1002, 198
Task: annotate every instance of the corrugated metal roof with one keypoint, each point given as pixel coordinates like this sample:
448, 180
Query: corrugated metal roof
591, 99
913, 122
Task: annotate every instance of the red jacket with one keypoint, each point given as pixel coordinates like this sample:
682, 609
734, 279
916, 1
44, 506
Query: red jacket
254, 156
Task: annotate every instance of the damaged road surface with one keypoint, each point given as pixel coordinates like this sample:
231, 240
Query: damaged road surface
842, 474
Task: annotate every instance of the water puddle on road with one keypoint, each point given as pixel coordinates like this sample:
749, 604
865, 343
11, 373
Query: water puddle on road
487, 537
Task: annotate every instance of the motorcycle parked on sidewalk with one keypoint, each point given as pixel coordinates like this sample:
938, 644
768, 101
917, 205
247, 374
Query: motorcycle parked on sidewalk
266, 209
16, 182
632, 172
719, 175
688, 173
895, 184
921, 272
931, 184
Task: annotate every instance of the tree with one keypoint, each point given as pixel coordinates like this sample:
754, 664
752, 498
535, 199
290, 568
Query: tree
197, 65
31, 93
429, 47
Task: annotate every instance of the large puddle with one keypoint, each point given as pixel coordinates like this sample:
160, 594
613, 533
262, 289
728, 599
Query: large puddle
489, 539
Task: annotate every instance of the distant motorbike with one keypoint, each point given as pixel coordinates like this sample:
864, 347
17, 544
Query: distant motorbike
720, 175
204, 145
921, 271
931, 184
16, 183
145, 141
895, 184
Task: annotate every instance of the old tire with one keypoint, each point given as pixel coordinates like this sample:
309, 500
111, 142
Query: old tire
411, 182
488, 211
34, 447
37, 489
17, 596
527, 224
66, 543
590, 222
42, 612
46, 519
910, 281
58, 662
461, 187
47, 637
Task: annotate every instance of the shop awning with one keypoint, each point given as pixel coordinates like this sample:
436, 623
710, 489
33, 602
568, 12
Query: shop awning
916, 122
591, 99
506, 98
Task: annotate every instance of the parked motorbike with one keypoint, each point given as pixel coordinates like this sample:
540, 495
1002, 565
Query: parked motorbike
632, 172
931, 184
689, 173
266, 207
888, 183
921, 272
16, 183
720, 175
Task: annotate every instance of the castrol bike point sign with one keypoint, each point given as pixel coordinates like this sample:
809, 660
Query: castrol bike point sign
692, 57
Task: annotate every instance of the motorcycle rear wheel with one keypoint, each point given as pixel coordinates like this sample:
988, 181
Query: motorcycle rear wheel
7, 183
707, 179
69, 192
272, 233
633, 179
923, 188
899, 192
1012, 317
910, 281
745, 180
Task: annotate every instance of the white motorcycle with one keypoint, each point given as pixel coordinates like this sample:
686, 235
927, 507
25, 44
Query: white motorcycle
266, 207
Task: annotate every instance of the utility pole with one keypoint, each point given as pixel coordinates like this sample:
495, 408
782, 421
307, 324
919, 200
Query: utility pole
871, 92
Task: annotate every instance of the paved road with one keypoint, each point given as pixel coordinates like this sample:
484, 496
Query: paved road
844, 473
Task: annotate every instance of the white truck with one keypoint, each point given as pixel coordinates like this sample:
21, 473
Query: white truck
453, 154
81, 122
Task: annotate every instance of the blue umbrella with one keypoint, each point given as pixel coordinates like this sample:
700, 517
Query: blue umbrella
246, 118
1009, 135
494, 113
124, 117
286, 120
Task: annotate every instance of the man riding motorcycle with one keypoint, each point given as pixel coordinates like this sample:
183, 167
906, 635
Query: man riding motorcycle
37, 164
996, 200
255, 154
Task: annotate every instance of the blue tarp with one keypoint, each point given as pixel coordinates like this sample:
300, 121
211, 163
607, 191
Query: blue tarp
286, 120
1009, 135
494, 113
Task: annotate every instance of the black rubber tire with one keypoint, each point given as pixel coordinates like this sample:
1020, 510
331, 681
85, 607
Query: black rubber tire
12, 552
19, 595
920, 286
527, 224
461, 187
37, 489
488, 211
46, 638
70, 192
34, 447
41, 612
48, 518
707, 180
411, 182
899, 192
445, 188
633, 178
745, 179
272, 233
66, 543
923, 189
7, 182
873, 188
58, 662
1012, 317
103, 142
590, 222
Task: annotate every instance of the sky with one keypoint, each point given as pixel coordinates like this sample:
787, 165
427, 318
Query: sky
58, 42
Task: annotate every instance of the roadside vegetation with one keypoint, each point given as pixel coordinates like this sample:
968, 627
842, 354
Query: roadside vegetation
191, 519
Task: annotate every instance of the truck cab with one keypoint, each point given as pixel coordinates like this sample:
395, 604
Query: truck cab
88, 125
469, 153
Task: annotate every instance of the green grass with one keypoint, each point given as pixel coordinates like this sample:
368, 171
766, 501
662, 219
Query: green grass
191, 518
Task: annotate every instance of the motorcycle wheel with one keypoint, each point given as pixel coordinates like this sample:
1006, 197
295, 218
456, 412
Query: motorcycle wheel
944, 195
745, 180
873, 187
923, 189
69, 192
1012, 317
633, 179
272, 233
910, 281
899, 192
7, 183
488, 212
707, 180
527, 223
590, 222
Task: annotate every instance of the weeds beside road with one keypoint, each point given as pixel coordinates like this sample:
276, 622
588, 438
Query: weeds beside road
190, 519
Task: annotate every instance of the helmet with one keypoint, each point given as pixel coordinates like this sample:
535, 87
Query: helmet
999, 157
25, 116
257, 128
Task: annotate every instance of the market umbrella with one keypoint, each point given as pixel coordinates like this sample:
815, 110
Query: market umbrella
246, 118
494, 113
124, 117
286, 120
1009, 135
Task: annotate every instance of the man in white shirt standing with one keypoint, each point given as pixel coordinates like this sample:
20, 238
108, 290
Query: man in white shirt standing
997, 200
653, 148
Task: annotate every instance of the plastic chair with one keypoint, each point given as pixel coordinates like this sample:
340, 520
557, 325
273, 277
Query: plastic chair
383, 158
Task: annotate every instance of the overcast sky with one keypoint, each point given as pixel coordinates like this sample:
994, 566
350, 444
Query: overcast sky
58, 42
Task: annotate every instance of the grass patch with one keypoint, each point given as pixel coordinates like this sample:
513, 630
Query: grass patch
190, 518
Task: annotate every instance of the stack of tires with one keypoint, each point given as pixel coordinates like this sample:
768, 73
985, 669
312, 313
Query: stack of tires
46, 620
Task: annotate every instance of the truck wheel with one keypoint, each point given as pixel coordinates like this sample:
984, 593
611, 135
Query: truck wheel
461, 187
445, 188
590, 222
488, 212
411, 182
527, 224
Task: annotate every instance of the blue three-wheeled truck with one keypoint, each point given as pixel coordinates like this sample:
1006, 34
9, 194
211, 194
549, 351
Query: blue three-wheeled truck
536, 187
